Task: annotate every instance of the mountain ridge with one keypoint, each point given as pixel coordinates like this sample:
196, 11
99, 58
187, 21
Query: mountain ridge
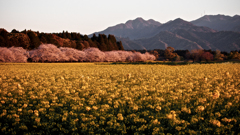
219, 22
133, 29
139, 34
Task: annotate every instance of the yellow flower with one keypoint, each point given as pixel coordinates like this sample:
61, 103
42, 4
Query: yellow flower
227, 73
76, 120
129, 76
226, 120
14, 101
37, 120
88, 108
200, 108
94, 107
172, 115
156, 121
216, 123
158, 108
64, 119
25, 105
135, 108
216, 94
19, 86
120, 117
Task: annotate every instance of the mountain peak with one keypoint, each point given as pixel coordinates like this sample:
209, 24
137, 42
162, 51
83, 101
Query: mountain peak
219, 22
139, 19
179, 22
153, 22
140, 23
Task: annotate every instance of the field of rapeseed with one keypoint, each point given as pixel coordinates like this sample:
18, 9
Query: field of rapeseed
86, 98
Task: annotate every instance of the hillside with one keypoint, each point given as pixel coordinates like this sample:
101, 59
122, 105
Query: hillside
31, 40
132, 29
178, 33
219, 22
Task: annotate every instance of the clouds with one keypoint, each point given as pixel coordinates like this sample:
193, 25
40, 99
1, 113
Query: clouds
50, 53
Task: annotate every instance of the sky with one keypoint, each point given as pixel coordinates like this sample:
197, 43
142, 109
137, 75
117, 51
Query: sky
89, 16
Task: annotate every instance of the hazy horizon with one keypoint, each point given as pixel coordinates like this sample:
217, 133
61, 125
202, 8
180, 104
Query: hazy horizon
87, 17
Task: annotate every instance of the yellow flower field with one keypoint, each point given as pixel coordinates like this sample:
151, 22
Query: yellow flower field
85, 98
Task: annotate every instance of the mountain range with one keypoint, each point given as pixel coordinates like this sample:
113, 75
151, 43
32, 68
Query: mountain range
208, 32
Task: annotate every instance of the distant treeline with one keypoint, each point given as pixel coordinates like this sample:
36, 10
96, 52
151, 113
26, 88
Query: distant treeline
30, 40
170, 54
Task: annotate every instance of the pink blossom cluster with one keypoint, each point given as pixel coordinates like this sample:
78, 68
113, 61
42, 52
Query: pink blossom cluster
51, 53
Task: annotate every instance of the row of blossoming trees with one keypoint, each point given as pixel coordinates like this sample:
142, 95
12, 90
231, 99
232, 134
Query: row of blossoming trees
51, 53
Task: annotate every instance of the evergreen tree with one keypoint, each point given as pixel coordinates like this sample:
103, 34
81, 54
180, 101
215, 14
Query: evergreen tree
64, 35
94, 37
101, 41
2, 41
24, 31
6, 41
120, 46
79, 45
42, 38
14, 31
34, 40
68, 35
85, 37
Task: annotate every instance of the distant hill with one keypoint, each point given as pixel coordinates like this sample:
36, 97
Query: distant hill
219, 22
139, 34
165, 38
31, 40
132, 29
187, 40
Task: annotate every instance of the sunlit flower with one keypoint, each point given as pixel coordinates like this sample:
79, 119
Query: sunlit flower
226, 120
128, 75
25, 105
156, 121
88, 108
227, 73
135, 108
120, 117
158, 108
172, 115
216, 94
19, 86
216, 123
37, 120
200, 109
94, 108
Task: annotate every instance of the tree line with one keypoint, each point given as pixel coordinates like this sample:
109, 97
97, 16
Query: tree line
31, 40
196, 55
